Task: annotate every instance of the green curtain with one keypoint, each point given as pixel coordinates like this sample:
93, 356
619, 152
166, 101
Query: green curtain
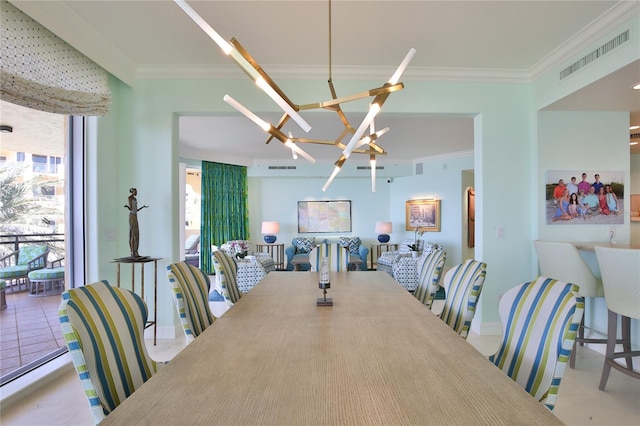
225, 214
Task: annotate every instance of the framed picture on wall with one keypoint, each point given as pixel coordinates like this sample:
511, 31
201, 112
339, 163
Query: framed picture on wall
324, 216
584, 197
424, 214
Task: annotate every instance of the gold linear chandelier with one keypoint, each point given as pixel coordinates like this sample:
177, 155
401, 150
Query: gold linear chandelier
358, 142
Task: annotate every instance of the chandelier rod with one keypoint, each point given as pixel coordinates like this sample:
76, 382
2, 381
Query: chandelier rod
330, 72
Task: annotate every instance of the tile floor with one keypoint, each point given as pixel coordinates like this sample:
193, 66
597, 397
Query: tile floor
29, 329
579, 400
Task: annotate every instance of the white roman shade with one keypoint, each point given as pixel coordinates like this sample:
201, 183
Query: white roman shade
39, 70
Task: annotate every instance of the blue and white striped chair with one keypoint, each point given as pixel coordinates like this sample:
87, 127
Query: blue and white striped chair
429, 272
337, 257
226, 273
540, 320
190, 288
103, 328
462, 286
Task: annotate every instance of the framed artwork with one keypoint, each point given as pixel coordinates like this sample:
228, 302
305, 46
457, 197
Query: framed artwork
635, 207
324, 216
471, 218
584, 197
424, 214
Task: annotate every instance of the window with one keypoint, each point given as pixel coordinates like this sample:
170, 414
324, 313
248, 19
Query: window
39, 163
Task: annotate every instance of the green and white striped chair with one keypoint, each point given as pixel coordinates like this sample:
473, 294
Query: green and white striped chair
540, 320
429, 272
103, 328
462, 286
190, 287
226, 273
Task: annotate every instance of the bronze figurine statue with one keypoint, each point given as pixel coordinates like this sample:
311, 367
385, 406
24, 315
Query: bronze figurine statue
134, 230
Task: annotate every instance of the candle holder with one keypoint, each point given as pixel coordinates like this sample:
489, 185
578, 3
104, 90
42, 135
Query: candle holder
324, 283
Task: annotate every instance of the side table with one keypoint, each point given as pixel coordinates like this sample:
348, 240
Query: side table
376, 251
276, 251
142, 260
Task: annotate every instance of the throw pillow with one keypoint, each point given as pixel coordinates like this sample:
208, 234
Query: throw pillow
304, 245
352, 244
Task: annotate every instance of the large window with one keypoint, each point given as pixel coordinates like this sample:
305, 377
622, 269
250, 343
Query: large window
34, 158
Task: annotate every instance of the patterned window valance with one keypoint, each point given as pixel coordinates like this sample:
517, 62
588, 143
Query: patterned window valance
39, 70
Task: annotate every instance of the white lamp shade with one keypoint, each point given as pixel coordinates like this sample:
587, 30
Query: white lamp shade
383, 228
270, 228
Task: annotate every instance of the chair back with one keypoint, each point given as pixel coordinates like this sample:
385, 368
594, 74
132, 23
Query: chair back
103, 328
462, 287
30, 253
338, 257
227, 272
190, 288
540, 320
315, 256
429, 272
191, 244
563, 262
620, 270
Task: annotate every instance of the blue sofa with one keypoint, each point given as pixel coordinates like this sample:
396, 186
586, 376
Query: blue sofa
300, 247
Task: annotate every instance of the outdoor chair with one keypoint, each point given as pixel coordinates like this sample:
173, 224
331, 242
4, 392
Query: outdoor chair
15, 266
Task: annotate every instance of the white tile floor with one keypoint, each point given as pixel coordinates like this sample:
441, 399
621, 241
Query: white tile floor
62, 402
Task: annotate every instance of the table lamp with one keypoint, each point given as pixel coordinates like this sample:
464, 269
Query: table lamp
383, 229
269, 229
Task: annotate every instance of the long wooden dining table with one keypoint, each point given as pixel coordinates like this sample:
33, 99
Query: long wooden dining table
376, 357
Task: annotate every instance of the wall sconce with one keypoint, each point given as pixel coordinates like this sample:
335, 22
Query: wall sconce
383, 229
269, 229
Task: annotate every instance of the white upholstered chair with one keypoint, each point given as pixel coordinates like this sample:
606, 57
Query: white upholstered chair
562, 261
429, 273
539, 324
620, 270
462, 286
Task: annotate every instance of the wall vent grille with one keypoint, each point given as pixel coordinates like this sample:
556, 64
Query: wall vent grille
419, 168
282, 167
601, 51
369, 168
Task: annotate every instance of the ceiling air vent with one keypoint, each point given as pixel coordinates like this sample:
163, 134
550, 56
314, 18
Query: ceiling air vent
601, 51
282, 167
369, 168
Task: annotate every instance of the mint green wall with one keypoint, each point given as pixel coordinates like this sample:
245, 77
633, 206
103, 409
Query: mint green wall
275, 198
136, 145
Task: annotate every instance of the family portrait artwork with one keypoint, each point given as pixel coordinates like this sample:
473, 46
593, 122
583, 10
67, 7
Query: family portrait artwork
584, 197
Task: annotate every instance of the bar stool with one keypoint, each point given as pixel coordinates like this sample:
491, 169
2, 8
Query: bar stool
562, 261
620, 270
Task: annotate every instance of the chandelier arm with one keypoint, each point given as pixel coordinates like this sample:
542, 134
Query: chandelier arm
372, 163
283, 120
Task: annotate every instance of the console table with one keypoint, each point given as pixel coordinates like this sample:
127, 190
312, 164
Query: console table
141, 261
377, 250
276, 251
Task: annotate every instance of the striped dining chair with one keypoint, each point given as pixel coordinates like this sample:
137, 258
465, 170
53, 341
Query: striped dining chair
540, 320
190, 288
226, 273
103, 328
429, 272
462, 286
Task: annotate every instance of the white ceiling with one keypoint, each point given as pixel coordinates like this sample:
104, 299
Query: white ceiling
455, 41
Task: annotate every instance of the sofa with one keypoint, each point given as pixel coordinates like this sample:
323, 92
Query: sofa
301, 246
402, 265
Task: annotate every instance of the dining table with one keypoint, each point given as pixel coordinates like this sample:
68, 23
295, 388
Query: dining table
377, 356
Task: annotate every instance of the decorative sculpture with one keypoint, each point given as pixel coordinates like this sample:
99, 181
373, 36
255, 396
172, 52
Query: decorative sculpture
324, 284
134, 230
